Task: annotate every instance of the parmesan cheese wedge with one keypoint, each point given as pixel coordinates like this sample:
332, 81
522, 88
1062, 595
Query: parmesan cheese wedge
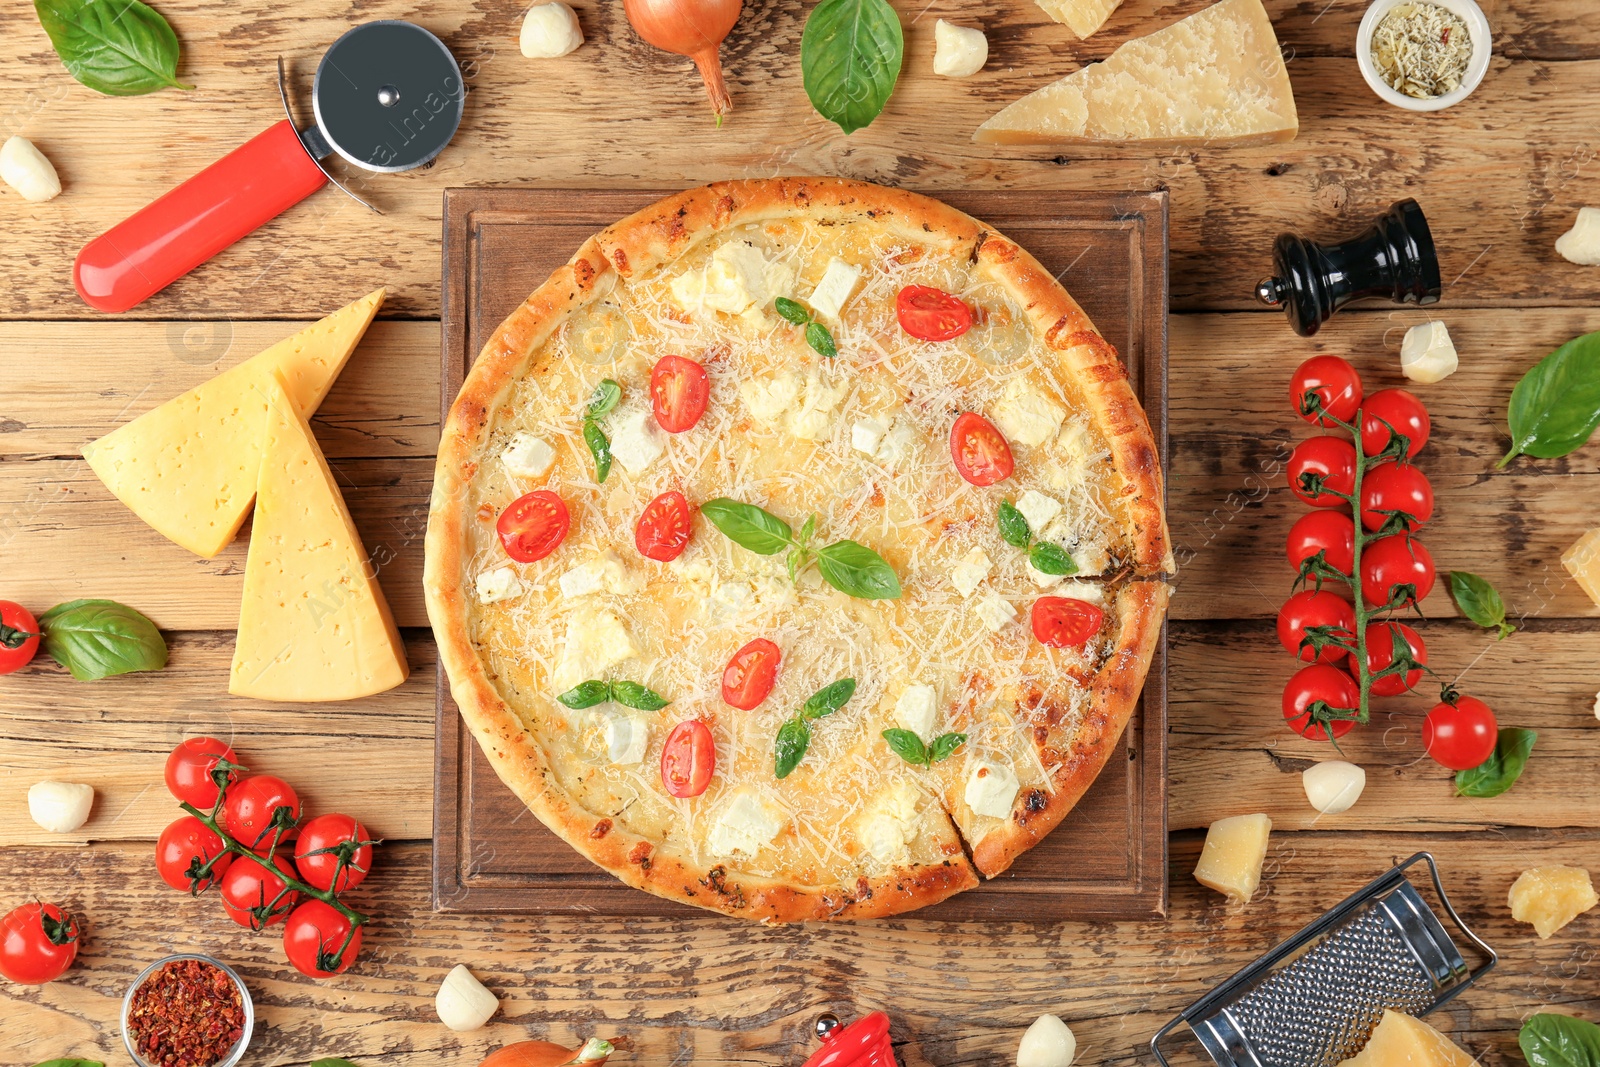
188, 468
1551, 897
313, 624
1217, 78
1231, 861
1401, 1041
1082, 17
1582, 561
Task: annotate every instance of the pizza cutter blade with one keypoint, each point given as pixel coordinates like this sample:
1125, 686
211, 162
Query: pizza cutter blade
388, 96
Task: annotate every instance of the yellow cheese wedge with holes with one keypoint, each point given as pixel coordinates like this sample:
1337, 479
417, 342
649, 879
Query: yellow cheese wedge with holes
1082, 17
1582, 561
188, 467
1401, 1041
313, 624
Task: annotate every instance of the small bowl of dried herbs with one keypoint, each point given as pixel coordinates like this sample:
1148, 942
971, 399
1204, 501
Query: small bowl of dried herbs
187, 1011
1424, 55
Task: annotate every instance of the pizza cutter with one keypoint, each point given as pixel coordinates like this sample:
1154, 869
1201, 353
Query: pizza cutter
388, 96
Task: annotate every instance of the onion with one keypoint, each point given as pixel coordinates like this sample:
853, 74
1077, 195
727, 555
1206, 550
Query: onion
545, 1054
693, 28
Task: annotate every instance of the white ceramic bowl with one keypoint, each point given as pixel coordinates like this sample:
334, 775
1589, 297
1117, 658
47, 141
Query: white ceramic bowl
237, 1052
1482, 47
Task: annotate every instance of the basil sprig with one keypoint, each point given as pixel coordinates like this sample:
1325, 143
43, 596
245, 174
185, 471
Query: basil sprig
909, 747
1480, 602
1503, 767
817, 335
1047, 557
628, 694
794, 736
1556, 406
115, 47
1551, 1040
96, 639
605, 399
850, 54
852, 568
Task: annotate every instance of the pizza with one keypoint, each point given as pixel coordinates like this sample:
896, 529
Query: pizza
797, 550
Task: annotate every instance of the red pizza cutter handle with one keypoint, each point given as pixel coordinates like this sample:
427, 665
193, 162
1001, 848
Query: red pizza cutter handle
159, 244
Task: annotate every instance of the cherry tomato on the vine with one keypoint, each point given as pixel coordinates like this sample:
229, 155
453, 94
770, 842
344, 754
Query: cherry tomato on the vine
1395, 487
251, 808
1400, 410
532, 526
314, 940
183, 843
1460, 735
1309, 608
255, 897
1335, 384
666, 526
1393, 561
1320, 683
980, 451
1380, 654
325, 841
1332, 533
1333, 459
688, 759
1062, 622
930, 314
38, 942
678, 392
750, 674
189, 770
19, 636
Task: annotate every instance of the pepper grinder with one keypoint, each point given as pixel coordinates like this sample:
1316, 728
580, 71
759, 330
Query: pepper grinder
1392, 258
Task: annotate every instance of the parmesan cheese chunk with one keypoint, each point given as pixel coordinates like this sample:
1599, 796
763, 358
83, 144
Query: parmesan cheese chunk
866, 435
1038, 509
1401, 1041
890, 823
1581, 244
917, 710
1551, 897
595, 642
958, 51
1231, 861
833, 292
1025, 417
1582, 561
1427, 354
606, 572
996, 612
626, 737
744, 824
637, 441
991, 788
1082, 17
497, 585
972, 569
527, 456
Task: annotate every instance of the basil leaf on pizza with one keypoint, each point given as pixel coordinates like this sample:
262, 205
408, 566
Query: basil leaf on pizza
907, 745
944, 746
1048, 558
821, 341
794, 737
791, 311
586, 695
748, 526
633, 695
828, 700
1014, 529
607, 395
857, 571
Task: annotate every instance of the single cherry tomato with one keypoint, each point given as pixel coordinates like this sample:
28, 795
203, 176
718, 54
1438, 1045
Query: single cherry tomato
930, 314
1332, 459
980, 451
19, 636
1396, 560
1460, 732
1334, 383
189, 770
1320, 683
38, 942
257, 805
185, 845
688, 759
665, 527
1380, 654
678, 392
314, 939
1332, 533
1309, 608
749, 676
1062, 622
255, 897
1400, 410
534, 525
329, 845
1391, 487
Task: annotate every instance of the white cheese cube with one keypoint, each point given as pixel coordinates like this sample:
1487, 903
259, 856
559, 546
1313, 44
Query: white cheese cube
768, 400
596, 641
1427, 354
736, 279
626, 738
1038, 509
991, 788
25, 169
1231, 860
972, 569
745, 824
835, 289
996, 612
1040, 578
497, 585
1581, 244
550, 31
527, 456
813, 419
637, 441
900, 443
1074, 441
605, 573
1090, 592
917, 710
866, 435
1026, 417
958, 51
890, 823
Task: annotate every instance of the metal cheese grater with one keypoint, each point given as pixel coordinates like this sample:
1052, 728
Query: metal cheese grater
1315, 999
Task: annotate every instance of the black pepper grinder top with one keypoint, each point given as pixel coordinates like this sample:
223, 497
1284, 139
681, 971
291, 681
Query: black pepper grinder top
1392, 258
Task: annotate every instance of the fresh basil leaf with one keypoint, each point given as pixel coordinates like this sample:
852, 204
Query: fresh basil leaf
600, 446
944, 746
1480, 602
908, 746
827, 700
858, 571
1014, 529
791, 311
633, 695
1503, 767
85, 1063
1556, 405
1050, 558
821, 341
115, 47
96, 639
850, 53
809, 528
586, 695
748, 526
606, 396
794, 737
1550, 1040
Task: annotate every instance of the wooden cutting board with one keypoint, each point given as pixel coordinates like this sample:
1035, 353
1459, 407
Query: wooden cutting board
1108, 859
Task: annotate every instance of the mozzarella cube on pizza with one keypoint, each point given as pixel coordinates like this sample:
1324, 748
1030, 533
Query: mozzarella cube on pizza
595, 642
917, 710
972, 569
835, 289
1039, 577
626, 738
1025, 416
866, 435
497, 585
900, 443
527, 456
814, 416
996, 612
734, 280
637, 441
745, 823
889, 825
991, 788
603, 573
1038, 509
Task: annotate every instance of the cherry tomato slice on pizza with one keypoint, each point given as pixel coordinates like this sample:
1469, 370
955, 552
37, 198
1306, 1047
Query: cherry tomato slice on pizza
979, 450
1062, 622
19, 636
534, 526
750, 674
688, 759
1398, 410
678, 392
930, 314
1335, 384
664, 529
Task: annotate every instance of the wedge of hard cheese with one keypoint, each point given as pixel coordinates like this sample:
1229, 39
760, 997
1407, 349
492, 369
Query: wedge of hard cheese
1401, 1041
1216, 78
313, 624
1082, 17
1582, 561
188, 468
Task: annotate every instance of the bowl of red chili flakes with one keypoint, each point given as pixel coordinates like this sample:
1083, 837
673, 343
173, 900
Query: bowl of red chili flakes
187, 1011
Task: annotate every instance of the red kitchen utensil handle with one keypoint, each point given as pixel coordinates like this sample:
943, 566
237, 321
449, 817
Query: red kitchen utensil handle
159, 244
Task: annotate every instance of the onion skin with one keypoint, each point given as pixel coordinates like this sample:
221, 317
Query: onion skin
535, 1054
693, 28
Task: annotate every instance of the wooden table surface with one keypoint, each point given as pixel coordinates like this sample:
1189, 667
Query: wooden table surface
1500, 176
